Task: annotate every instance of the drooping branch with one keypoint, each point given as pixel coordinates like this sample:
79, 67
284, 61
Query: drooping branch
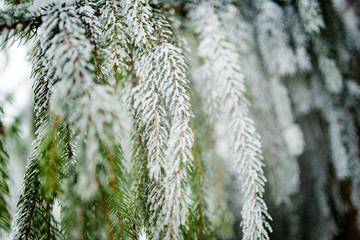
21, 24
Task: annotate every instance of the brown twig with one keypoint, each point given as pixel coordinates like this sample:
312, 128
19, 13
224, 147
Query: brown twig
114, 192
2, 130
54, 155
105, 209
31, 215
93, 42
200, 191
173, 203
31, 23
115, 35
157, 30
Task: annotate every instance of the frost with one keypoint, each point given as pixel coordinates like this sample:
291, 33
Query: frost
273, 41
353, 88
114, 28
301, 95
310, 15
42, 3
294, 140
335, 117
300, 39
221, 61
151, 112
138, 13
85, 188
339, 155
265, 77
163, 85
331, 74
142, 235
75, 97
233, 22
292, 133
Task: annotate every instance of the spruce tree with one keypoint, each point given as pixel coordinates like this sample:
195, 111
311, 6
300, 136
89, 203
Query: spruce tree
193, 119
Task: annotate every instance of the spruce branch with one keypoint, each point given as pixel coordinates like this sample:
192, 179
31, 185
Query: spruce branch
33, 217
5, 218
93, 27
138, 23
76, 89
149, 102
180, 140
147, 105
31, 211
273, 41
200, 191
114, 190
114, 28
105, 209
310, 15
282, 169
115, 33
38, 193
331, 74
140, 160
19, 23
244, 138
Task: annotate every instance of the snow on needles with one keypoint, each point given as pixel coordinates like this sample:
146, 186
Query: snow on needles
222, 60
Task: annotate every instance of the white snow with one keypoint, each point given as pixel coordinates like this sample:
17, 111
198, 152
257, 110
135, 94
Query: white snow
294, 140
143, 234
42, 3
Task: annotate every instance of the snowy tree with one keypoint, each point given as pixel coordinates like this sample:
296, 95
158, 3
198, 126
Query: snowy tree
193, 119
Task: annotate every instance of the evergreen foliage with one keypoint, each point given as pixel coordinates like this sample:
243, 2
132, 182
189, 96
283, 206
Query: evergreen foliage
4, 177
161, 119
